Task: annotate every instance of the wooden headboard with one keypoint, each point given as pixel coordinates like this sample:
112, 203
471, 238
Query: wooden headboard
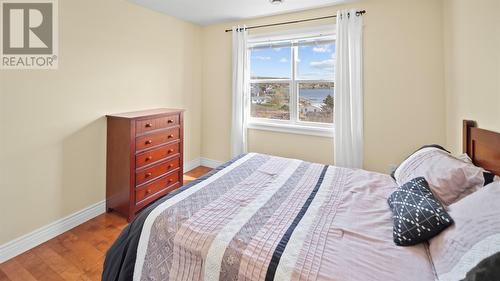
482, 146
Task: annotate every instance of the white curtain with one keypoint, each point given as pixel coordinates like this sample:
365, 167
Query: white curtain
348, 135
240, 72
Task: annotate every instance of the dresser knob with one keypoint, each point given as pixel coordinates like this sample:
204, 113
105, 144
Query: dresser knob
149, 158
149, 142
148, 175
170, 180
149, 125
170, 136
148, 191
170, 166
170, 121
170, 150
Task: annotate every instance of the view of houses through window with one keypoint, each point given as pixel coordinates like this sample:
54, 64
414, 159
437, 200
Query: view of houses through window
316, 102
293, 81
271, 100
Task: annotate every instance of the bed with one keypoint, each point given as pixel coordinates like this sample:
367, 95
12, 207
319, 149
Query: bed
261, 217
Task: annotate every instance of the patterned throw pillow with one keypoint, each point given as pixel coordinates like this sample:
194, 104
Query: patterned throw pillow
418, 215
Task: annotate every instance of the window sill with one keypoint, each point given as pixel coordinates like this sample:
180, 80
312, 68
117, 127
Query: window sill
293, 129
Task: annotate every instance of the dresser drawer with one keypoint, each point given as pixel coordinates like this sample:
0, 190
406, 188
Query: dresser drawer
156, 155
155, 139
143, 158
147, 125
156, 171
166, 183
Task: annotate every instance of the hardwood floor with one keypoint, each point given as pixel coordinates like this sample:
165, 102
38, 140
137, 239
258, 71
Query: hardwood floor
77, 254
195, 173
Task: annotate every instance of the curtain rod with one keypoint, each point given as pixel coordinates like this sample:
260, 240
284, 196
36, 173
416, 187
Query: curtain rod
358, 13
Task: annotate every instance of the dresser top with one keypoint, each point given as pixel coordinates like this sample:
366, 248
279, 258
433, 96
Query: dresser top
143, 113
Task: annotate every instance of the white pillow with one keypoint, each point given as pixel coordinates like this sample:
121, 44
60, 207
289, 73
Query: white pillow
474, 236
465, 157
449, 178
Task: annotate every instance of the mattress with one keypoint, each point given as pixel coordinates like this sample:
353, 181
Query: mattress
261, 217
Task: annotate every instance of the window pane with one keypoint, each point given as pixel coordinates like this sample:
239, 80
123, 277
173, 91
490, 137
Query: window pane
271, 62
316, 102
316, 60
270, 100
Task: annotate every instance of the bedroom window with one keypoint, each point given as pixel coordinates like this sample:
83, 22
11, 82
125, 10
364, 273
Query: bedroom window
291, 82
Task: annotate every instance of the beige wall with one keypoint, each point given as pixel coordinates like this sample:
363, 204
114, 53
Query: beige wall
403, 79
114, 57
472, 63
312, 148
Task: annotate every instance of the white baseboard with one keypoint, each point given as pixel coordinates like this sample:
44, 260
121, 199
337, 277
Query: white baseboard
188, 166
201, 161
38, 236
47, 232
210, 162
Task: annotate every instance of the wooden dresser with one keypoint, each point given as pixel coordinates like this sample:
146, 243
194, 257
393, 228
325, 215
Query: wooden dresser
144, 158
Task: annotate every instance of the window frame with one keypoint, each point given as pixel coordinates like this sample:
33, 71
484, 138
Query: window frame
294, 125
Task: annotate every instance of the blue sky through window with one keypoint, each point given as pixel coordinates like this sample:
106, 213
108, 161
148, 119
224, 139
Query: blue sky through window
315, 62
271, 63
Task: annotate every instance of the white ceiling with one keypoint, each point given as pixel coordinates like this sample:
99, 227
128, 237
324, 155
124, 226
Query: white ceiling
205, 12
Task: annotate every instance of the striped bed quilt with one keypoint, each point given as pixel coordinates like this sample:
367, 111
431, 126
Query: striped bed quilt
262, 217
